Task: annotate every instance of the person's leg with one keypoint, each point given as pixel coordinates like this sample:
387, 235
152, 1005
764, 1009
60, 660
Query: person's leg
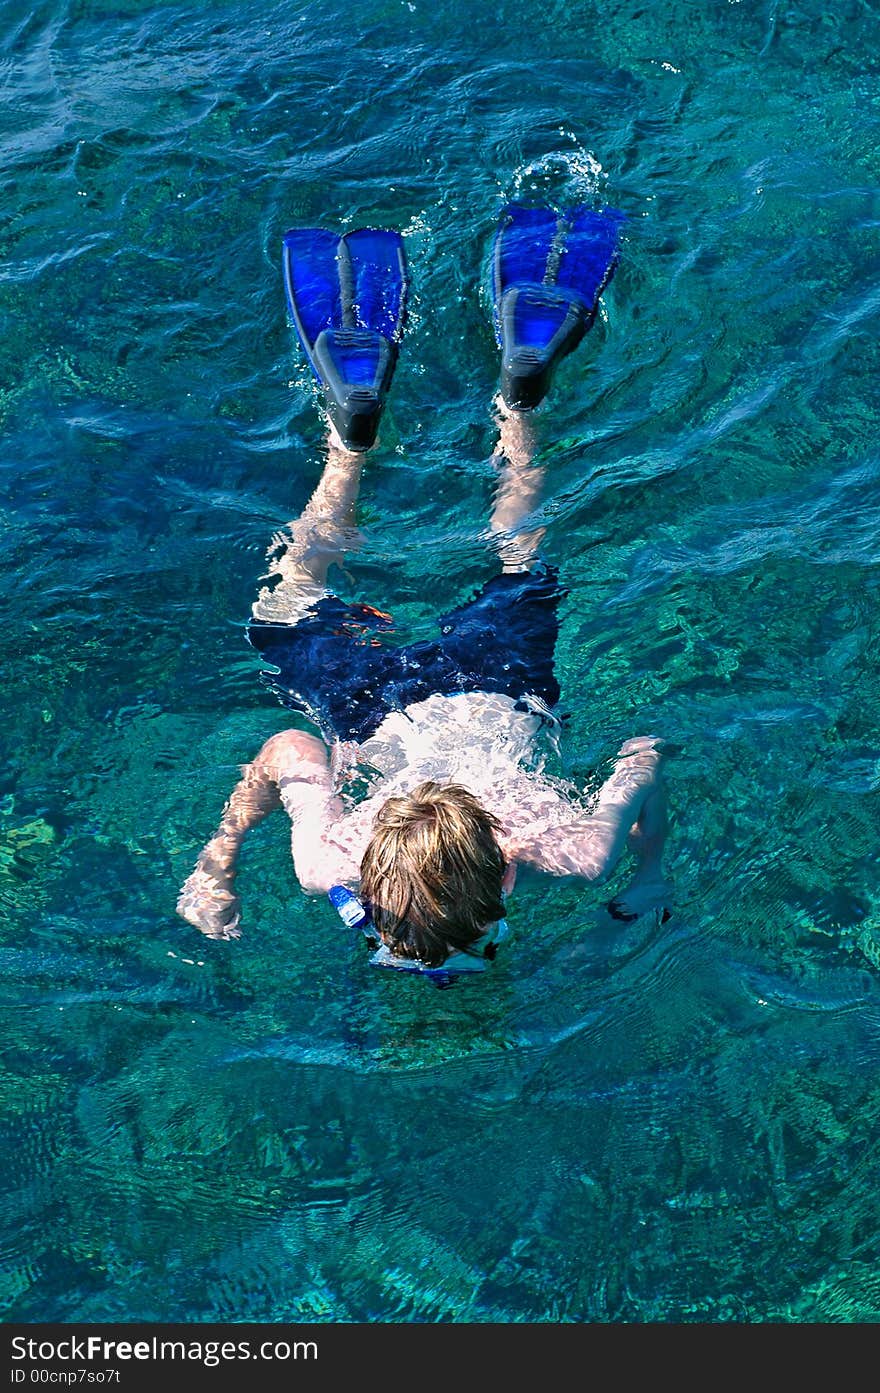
504, 637
520, 483
301, 555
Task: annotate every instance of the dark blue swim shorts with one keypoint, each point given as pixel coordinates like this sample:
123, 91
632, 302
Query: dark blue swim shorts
339, 665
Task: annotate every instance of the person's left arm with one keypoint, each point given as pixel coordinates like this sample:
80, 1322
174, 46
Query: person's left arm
591, 844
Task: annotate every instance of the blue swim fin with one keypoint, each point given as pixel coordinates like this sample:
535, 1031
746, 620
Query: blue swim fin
549, 269
347, 299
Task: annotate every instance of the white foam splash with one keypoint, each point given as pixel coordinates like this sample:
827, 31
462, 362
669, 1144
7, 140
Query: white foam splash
560, 176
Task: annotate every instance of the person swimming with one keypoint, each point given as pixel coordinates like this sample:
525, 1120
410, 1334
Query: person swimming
447, 729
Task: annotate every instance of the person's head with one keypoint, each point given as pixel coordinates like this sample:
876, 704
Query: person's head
432, 872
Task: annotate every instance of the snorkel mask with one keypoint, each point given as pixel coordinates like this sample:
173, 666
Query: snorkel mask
356, 915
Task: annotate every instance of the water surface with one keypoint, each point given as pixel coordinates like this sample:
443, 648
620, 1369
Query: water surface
615, 1124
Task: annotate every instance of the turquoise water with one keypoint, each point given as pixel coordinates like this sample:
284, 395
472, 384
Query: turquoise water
615, 1124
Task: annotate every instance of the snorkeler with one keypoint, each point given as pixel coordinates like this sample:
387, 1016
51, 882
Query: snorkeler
446, 727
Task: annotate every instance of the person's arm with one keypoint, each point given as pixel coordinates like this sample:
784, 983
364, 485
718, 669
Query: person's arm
649, 888
592, 843
207, 899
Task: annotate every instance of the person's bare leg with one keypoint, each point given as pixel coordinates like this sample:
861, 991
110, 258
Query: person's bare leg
520, 483
301, 555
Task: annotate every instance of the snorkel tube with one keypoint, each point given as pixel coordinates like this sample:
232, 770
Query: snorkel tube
356, 915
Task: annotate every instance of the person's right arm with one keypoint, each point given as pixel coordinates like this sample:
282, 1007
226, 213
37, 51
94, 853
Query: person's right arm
291, 763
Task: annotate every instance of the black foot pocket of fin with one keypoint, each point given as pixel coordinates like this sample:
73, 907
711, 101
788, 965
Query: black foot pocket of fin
347, 299
538, 325
549, 271
356, 367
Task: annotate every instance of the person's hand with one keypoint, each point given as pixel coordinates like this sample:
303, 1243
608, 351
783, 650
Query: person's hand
647, 895
208, 902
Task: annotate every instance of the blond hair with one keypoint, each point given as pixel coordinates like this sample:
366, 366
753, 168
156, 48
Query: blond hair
432, 872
